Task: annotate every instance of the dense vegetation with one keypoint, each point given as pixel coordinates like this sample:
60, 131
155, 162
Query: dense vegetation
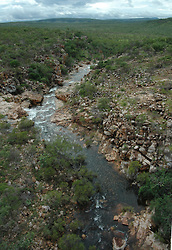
38, 46
41, 183
157, 189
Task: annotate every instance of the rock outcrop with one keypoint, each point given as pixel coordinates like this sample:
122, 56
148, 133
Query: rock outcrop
33, 97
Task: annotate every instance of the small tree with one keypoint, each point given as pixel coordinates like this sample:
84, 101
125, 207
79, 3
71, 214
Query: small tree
83, 190
71, 241
133, 168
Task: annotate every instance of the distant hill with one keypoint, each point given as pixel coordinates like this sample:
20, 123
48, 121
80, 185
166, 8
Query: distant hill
89, 20
68, 20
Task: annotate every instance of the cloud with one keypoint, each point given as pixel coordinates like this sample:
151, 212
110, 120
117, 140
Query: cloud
130, 3
41, 9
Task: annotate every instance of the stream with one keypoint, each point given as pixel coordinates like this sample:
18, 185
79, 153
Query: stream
115, 190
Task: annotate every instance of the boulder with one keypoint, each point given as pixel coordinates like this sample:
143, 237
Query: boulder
63, 93
33, 97
152, 148
112, 156
62, 117
16, 113
6, 107
119, 243
107, 133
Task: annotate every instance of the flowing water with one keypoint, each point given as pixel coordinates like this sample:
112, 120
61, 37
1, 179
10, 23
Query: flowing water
115, 191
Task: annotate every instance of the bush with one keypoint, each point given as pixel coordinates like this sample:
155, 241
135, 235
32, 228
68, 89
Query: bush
9, 203
14, 63
75, 225
2, 116
133, 168
68, 61
140, 119
87, 89
4, 126
64, 70
23, 133
127, 209
71, 241
3, 187
103, 104
18, 137
97, 120
40, 72
59, 155
55, 199
158, 46
54, 229
142, 178
162, 216
157, 189
83, 190
23, 243
25, 124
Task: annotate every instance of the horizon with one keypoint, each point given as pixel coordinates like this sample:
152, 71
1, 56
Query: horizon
94, 19
35, 10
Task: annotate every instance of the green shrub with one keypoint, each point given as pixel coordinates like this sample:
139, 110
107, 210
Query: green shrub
64, 70
87, 89
24, 242
25, 124
2, 116
59, 155
54, 229
133, 168
88, 142
23, 133
3, 187
49, 173
40, 72
123, 103
55, 199
140, 119
97, 121
128, 116
85, 173
13, 155
83, 190
158, 46
69, 61
142, 178
157, 185
103, 104
70, 241
58, 229
128, 209
75, 225
14, 63
122, 65
162, 216
157, 189
4, 126
18, 137
9, 203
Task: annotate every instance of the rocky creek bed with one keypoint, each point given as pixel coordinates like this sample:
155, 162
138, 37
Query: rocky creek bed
111, 216
99, 225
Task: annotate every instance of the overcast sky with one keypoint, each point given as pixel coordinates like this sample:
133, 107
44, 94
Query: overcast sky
19, 10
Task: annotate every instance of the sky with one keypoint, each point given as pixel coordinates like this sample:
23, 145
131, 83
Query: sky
26, 10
